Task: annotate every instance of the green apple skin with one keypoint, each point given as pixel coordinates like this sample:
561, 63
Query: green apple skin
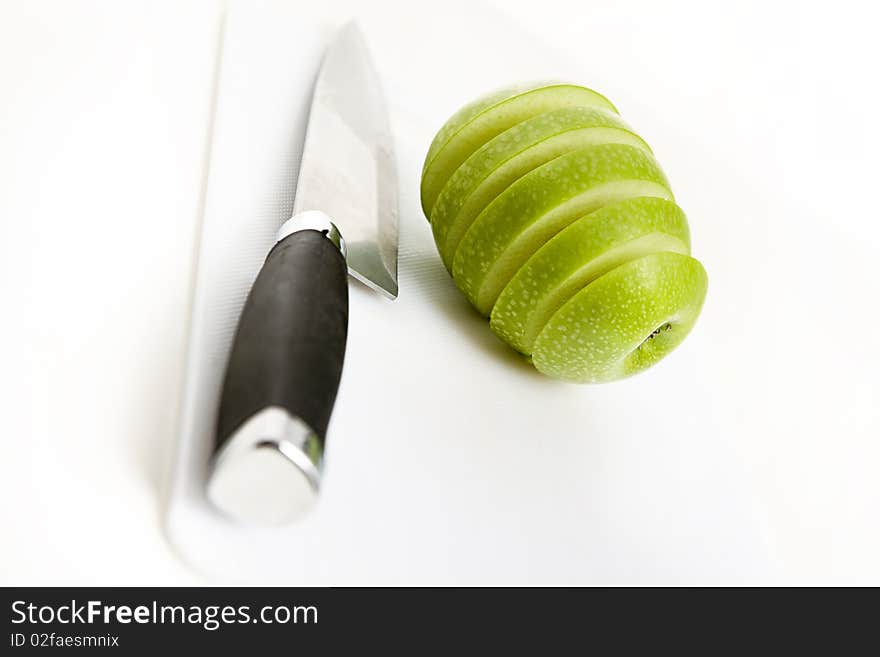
486, 118
556, 221
512, 154
590, 247
624, 321
476, 107
540, 204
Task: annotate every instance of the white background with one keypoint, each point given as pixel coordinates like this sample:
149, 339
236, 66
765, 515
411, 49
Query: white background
764, 118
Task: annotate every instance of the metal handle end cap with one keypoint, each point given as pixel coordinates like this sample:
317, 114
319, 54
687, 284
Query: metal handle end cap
268, 472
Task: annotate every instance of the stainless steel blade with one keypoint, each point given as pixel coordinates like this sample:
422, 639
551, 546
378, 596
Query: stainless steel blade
347, 168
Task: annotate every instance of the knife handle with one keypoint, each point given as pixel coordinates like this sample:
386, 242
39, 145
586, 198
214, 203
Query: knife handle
286, 362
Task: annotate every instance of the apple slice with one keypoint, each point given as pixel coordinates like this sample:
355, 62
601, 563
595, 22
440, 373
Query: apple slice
579, 254
482, 120
467, 113
512, 154
624, 321
543, 202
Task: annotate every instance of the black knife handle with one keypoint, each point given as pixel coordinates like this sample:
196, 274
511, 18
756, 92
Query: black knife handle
290, 344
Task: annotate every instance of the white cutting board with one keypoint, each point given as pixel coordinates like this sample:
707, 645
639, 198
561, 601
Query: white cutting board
449, 460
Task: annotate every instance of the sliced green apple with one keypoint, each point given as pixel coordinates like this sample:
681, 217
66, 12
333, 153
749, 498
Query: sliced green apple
543, 202
579, 254
479, 122
624, 321
512, 154
556, 221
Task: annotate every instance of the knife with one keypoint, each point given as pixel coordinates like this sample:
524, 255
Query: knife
286, 359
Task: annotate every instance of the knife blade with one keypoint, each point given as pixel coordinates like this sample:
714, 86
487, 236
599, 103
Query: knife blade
287, 355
